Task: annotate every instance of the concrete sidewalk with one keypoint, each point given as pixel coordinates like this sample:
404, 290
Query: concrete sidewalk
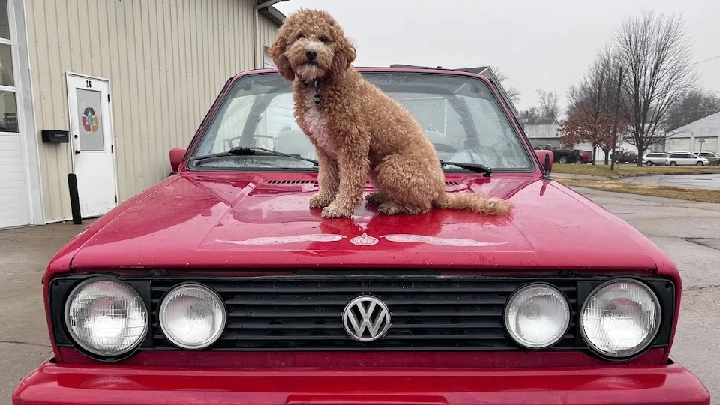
24, 254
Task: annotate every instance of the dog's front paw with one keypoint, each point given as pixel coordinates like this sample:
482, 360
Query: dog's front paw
334, 211
321, 200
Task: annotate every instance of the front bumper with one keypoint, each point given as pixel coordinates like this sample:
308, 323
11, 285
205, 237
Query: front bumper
53, 384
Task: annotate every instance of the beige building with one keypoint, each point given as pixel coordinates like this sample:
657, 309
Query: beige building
105, 88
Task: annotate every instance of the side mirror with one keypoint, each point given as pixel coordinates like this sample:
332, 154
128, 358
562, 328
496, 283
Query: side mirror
176, 156
546, 159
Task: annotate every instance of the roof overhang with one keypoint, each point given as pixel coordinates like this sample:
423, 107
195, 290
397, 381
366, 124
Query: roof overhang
274, 15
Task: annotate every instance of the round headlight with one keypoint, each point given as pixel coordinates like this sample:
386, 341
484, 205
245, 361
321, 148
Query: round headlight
106, 317
620, 318
192, 316
537, 315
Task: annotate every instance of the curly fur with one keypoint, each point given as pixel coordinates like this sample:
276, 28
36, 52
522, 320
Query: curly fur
358, 129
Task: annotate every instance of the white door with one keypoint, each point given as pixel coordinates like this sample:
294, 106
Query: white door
14, 196
92, 144
13, 183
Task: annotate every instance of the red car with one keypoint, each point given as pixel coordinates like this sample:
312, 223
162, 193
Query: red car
219, 285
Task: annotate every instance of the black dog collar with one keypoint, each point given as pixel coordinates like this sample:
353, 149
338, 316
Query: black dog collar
316, 87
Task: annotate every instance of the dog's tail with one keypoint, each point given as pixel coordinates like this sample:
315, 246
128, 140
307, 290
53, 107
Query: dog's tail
473, 202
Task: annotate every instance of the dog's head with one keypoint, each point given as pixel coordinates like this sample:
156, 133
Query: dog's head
311, 45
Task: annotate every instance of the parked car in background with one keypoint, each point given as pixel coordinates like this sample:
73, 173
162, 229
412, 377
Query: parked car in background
684, 158
626, 157
562, 155
712, 157
655, 158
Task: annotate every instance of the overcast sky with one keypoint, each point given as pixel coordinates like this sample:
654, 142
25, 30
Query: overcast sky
537, 44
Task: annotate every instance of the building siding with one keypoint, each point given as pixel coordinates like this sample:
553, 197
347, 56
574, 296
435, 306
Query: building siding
166, 61
266, 34
687, 136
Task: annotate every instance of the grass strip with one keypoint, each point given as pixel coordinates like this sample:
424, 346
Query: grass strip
681, 193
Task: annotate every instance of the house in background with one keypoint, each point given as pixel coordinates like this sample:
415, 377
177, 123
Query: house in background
104, 89
699, 136
544, 134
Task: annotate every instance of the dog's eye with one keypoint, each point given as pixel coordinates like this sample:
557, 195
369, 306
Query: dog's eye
324, 39
301, 36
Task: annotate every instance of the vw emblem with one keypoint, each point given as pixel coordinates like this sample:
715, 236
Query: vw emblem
366, 318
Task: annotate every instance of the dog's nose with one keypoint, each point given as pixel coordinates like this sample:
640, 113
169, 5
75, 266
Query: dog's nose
311, 55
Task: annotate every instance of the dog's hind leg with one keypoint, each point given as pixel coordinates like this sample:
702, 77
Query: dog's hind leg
377, 197
408, 184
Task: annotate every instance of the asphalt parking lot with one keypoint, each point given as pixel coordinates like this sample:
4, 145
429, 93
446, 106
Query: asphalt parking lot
689, 232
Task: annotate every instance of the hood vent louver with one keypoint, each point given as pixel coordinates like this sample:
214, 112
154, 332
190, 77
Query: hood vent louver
294, 182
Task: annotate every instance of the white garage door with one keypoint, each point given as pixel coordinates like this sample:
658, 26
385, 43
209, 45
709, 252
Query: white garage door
677, 144
710, 144
14, 207
13, 185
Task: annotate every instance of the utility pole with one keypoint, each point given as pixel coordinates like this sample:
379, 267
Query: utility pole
617, 108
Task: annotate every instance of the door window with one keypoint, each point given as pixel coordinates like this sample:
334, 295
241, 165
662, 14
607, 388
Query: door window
89, 110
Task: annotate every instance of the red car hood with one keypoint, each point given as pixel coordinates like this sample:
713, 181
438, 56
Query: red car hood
262, 221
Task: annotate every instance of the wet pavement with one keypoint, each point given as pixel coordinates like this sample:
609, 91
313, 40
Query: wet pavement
689, 232
711, 181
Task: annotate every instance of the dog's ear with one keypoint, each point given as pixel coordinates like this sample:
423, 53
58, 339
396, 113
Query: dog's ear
345, 54
277, 53
351, 52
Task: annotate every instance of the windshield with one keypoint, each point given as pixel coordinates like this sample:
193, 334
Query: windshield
460, 116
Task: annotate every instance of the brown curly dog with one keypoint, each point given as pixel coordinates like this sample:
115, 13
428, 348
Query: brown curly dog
356, 128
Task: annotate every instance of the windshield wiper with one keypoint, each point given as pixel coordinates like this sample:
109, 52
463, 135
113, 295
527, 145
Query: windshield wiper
473, 167
243, 151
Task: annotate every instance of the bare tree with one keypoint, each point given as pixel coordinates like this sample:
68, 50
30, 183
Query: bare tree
549, 106
591, 104
654, 51
531, 116
694, 105
548, 111
512, 93
597, 88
